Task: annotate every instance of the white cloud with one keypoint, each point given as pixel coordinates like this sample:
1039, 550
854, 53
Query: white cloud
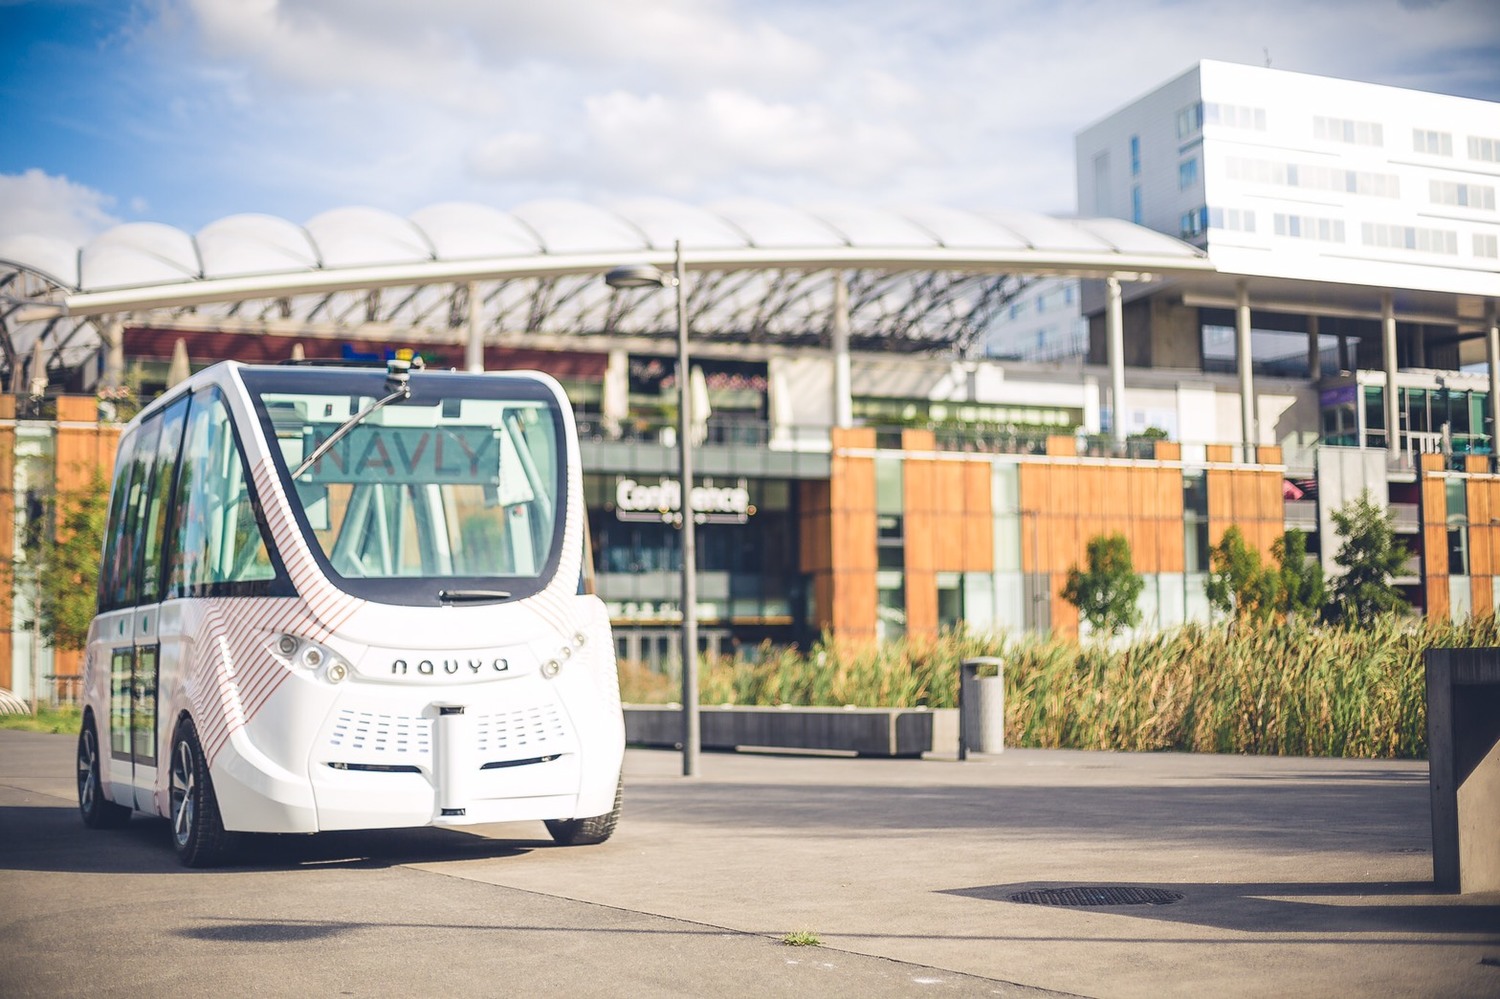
34, 202
723, 132
294, 106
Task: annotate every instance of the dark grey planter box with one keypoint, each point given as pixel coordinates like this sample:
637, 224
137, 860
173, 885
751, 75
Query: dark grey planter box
863, 731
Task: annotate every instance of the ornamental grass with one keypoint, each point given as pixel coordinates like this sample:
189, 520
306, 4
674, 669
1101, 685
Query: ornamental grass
1294, 688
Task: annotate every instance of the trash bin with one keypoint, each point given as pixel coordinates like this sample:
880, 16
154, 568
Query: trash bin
981, 707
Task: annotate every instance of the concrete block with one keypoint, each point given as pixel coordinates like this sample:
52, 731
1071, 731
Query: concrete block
1463, 754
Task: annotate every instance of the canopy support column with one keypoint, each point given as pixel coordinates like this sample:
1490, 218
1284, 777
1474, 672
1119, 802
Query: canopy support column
1246, 363
1114, 333
1314, 351
843, 380
1492, 344
1388, 352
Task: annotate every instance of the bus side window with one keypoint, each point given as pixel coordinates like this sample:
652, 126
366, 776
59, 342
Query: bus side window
127, 581
216, 538
109, 563
158, 507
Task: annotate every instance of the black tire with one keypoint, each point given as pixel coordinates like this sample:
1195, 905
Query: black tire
97, 810
197, 829
587, 832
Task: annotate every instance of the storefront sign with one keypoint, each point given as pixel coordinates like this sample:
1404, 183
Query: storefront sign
660, 500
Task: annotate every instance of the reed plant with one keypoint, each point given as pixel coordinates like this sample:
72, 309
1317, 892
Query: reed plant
1290, 688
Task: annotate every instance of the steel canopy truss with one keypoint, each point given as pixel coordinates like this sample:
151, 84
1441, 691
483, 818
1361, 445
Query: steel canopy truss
910, 311
65, 342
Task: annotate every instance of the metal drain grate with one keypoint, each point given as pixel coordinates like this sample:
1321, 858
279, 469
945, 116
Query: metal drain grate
1106, 895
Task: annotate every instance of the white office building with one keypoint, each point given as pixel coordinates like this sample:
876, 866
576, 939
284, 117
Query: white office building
1276, 172
1366, 219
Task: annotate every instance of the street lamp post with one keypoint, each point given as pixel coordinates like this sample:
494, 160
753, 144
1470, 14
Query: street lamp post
647, 276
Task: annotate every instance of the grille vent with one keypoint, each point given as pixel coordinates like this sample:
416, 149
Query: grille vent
369, 732
523, 728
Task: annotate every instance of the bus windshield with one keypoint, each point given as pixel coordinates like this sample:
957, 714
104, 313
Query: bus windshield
454, 494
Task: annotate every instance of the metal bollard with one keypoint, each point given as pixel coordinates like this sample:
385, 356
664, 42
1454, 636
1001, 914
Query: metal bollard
981, 706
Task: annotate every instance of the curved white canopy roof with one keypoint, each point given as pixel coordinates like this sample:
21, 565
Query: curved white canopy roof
919, 273
729, 233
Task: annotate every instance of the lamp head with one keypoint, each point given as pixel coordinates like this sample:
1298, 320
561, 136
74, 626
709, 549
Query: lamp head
637, 276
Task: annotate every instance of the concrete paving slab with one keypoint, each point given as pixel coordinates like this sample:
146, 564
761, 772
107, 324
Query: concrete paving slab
1299, 877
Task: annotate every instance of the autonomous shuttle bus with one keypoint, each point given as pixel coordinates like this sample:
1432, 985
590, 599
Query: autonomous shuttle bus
349, 598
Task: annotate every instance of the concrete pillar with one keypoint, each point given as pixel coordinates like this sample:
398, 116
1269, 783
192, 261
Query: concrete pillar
1419, 346
1492, 345
1245, 364
474, 351
1114, 330
1388, 355
843, 380
1314, 353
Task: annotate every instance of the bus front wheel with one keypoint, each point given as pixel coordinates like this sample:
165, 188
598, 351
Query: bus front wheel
98, 811
197, 829
587, 832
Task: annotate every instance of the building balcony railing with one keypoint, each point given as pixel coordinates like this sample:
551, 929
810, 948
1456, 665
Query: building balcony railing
1407, 517
1302, 514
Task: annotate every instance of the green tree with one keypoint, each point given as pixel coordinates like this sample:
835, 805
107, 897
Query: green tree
1238, 582
1300, 587
1370, 555
63, 564
1106, 593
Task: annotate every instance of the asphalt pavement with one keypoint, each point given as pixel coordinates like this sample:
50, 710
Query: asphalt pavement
1272, 877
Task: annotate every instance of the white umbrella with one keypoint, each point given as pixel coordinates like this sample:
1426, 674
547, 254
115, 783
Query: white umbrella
698, 387
616, 402
181, 367
37, 371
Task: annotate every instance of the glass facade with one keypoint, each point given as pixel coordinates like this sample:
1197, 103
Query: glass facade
750, 586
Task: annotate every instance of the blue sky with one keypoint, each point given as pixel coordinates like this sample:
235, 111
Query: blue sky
185, 111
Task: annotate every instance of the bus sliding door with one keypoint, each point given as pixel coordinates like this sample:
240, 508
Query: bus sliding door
130, 594
155, 635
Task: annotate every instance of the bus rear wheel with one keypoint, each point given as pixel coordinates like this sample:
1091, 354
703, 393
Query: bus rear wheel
97, 810
197, 830
587, 832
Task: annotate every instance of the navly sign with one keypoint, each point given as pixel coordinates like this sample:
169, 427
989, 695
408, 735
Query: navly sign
713, 504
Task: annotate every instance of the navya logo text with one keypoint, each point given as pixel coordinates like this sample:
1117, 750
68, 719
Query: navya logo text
659, 501
450, 667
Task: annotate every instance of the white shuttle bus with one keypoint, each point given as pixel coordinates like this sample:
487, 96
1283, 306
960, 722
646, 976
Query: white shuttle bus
349, 598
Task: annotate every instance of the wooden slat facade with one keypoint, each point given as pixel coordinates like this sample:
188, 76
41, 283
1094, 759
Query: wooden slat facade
83, 459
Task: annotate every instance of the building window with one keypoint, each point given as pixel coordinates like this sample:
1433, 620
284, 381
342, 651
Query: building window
1447, 192
1408, 237
1481, 148
1322, 178
1193, 223
1234, 116
1308, 227
1135, 156
1187, 174
1458, 527
1233, 219
1486, 245
1432, 143
1136, 214
1190, 120
1358, 133
1195, 520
